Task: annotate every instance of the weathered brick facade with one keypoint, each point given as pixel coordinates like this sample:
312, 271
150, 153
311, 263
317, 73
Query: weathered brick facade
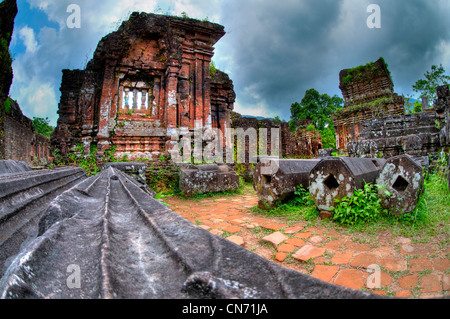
22, 143
368, 93
147, 79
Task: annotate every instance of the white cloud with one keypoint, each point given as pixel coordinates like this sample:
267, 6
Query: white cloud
37, 99
37, 71
26, 34
260, 108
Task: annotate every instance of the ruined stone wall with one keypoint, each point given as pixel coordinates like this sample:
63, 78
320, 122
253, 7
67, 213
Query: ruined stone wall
222, 100
421, 134
253, 125
368, 93
302, 143
22, 143
8, 12
145, 80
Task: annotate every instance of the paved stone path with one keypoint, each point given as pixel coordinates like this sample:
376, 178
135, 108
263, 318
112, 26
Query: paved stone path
407, 269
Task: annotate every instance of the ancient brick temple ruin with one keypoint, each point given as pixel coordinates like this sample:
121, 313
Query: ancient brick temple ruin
145, 80
422, 134
368, 93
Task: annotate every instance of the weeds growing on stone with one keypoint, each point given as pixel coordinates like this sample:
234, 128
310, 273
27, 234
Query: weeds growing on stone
299, 207
430, 218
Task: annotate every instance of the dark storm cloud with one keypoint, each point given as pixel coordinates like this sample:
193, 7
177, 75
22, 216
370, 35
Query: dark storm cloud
272, 45
281, 49
274, 50
412, 34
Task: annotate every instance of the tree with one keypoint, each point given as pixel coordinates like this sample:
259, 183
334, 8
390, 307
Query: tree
427, 87
417, 108
328, 137
316, 107
42, 126
277, 119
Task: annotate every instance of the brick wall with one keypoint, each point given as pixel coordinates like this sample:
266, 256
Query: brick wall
423, 134
147, 79
21, 142
368, 93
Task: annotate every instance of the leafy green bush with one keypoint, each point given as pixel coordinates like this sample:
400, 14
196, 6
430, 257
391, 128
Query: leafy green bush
7, 105
328, 137
363, 206
212, 68
164, 179
302, 197
42, 126
87, 163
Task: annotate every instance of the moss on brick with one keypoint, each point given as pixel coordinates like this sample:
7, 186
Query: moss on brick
365, 72
377, 105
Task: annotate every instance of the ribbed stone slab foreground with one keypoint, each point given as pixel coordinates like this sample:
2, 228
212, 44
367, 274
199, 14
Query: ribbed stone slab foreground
107, 238
24, 197
13, 167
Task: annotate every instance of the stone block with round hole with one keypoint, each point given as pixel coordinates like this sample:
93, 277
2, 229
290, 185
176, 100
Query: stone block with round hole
402, 178
336, 177
276, 180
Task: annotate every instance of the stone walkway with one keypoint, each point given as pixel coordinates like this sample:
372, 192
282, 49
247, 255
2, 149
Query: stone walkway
405, 268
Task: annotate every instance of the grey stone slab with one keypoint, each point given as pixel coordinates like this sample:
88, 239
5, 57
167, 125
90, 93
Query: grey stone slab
137, 170
336, 177
24, 198
121, 243
12, 167
276, 180
207, 178
403, 178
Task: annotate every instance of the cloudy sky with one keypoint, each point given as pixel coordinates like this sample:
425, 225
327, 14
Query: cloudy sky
273, 50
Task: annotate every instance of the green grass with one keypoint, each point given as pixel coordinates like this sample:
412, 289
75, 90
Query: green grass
290, 212
430, 218
242, 190
299, 207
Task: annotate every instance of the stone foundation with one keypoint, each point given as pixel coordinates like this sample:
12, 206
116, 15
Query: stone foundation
275, 180
207, 178
336, 177
402, 177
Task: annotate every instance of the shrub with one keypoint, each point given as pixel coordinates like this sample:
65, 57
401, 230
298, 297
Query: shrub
363, 206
